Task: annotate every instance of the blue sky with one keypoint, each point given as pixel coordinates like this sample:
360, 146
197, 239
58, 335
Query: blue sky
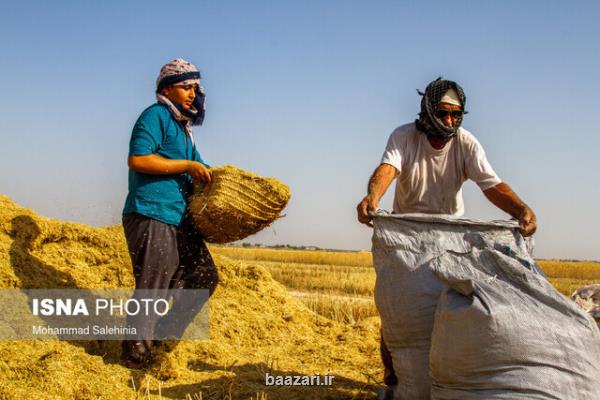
307, 92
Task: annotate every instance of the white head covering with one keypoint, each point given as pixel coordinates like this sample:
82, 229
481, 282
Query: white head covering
451, 97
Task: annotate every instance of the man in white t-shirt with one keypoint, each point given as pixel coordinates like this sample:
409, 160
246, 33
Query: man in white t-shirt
430, 159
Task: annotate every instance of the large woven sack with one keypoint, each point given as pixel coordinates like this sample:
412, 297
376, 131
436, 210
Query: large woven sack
236, 204
466, 314
503, 332
407, 289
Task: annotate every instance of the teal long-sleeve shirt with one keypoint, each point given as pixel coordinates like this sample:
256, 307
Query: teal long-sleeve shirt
160, 197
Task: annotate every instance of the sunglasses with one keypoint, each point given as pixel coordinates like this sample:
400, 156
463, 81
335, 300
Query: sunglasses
444, 113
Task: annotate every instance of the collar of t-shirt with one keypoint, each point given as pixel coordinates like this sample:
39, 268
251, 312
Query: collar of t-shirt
432, 150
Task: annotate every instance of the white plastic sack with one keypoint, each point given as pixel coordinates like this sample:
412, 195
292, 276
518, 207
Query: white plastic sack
588, 298
408, 250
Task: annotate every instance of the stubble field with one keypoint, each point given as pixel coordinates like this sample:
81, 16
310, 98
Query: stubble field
276, 312
339, 285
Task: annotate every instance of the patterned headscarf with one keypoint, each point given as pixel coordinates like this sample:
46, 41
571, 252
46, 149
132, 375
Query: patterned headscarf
427, 121
180, 73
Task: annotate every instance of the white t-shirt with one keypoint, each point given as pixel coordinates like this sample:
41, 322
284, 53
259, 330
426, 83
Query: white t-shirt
430, 180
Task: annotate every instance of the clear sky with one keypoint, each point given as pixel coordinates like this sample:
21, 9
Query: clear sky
308, 92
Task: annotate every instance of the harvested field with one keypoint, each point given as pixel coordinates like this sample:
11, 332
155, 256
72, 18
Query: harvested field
285, 312
256, 327
332, 279
344, 309
567, 276
323, 280
338, 292
320, 257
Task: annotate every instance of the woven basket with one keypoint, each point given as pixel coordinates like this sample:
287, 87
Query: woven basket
236, 204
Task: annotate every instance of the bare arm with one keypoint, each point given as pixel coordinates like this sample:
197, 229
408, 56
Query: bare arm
378, 184
157, 165
503, 197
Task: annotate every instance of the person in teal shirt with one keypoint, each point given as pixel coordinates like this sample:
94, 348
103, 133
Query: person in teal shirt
166, 250
151, 193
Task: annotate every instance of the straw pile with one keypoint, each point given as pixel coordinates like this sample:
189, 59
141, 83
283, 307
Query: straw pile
256, 327
237, 204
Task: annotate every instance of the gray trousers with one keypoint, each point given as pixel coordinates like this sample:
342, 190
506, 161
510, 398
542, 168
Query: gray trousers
168, 257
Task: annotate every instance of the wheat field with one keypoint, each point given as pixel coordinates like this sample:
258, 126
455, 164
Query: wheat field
260, 316
339, 285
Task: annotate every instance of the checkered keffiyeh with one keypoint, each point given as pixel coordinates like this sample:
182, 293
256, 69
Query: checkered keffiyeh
427, 121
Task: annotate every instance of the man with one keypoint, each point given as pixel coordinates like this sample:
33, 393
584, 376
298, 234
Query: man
430, 160
166, 251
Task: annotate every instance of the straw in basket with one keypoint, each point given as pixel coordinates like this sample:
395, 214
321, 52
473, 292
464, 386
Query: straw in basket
236, 204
